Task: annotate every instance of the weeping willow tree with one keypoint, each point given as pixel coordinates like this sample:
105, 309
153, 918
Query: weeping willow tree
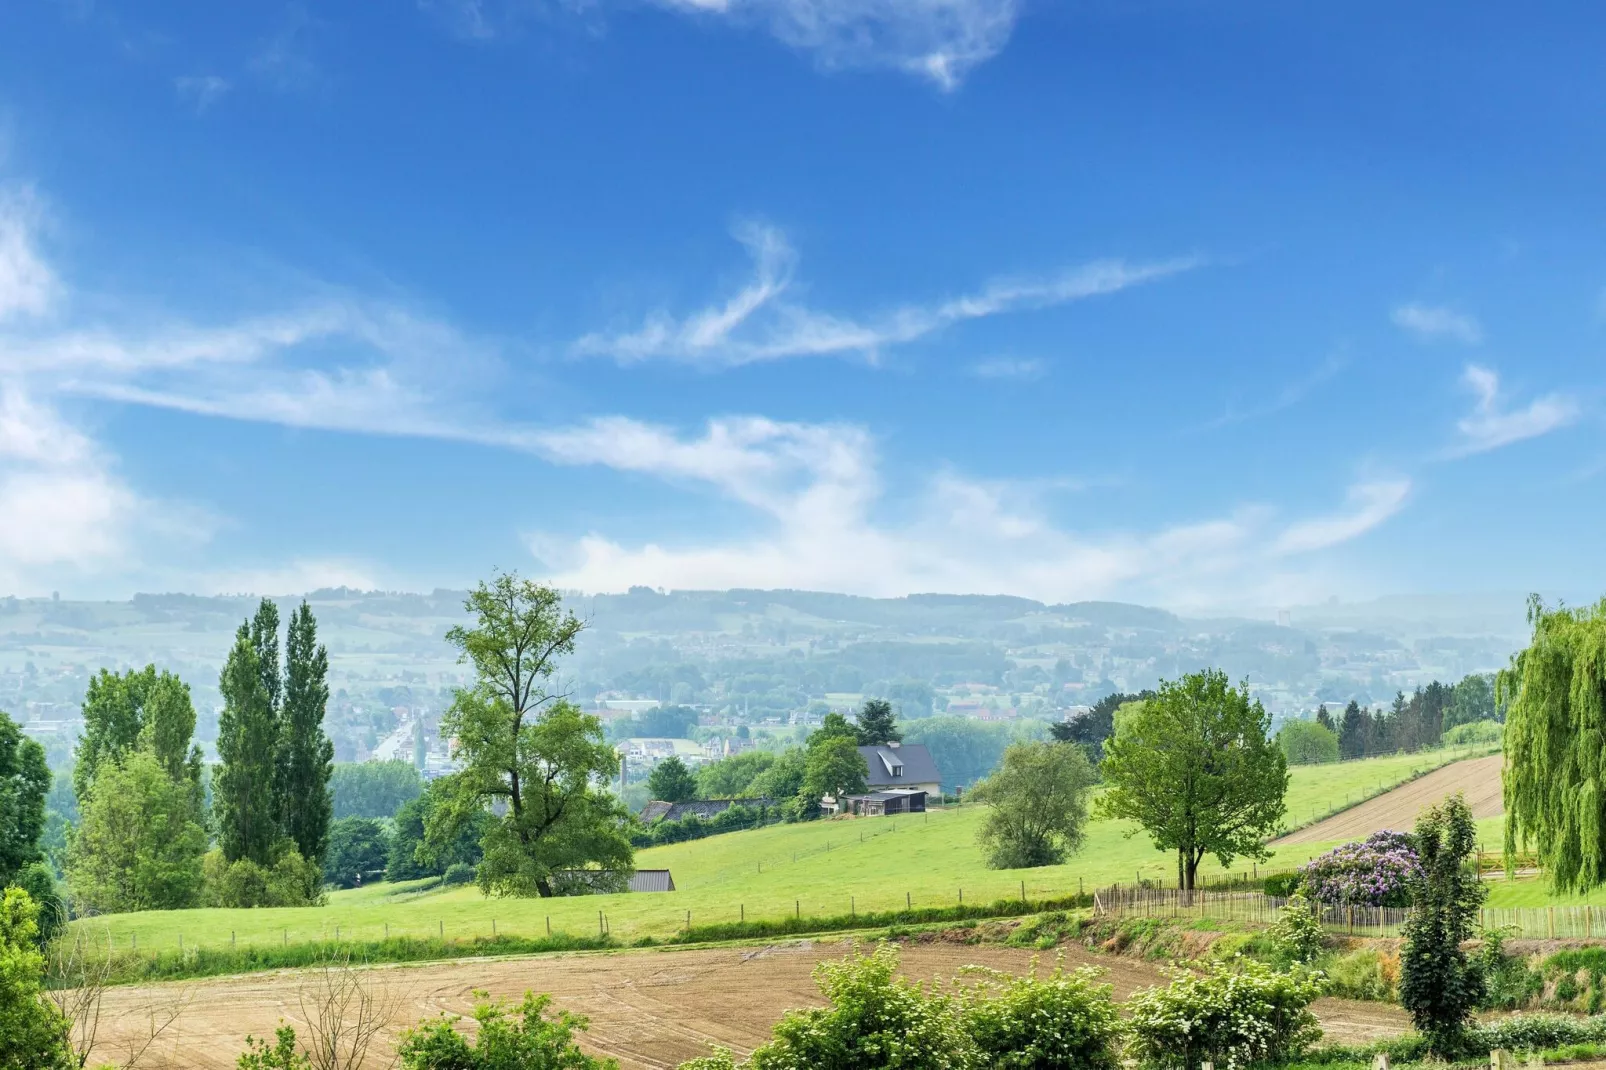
1555, 774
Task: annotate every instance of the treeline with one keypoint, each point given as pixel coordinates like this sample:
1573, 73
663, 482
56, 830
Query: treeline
1412, 723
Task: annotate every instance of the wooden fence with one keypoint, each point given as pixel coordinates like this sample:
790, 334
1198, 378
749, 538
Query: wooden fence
1536, 923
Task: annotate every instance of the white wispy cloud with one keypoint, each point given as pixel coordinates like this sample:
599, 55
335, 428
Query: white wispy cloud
1433, 323
939, 40
1490, 425
760, 322
201, 91
28, 286
1025, 370
816, 492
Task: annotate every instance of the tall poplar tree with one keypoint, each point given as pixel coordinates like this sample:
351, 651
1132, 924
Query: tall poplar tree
305, 753
243, 799
1555, 743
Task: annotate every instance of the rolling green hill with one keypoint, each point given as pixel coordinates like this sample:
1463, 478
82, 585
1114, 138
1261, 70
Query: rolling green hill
821, 868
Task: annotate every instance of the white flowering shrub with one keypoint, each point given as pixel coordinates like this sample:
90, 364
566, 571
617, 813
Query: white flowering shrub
1232, 1014
1298, 934
875, 1021
1066, 1021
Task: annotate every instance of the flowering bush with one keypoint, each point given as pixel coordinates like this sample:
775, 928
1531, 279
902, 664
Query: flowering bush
1063, 1022
1376, 871
1232, 1014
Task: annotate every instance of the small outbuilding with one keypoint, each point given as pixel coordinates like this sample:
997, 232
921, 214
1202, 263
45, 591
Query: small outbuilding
885, 803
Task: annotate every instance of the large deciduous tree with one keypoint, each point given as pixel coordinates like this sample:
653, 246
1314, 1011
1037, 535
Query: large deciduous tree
832, 766
529, 751
1555, 742
24, 783
243, 802
1037, 802
1194, 768
305, 752
1438, 986
140, 843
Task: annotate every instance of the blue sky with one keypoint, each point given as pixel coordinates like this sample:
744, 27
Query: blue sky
1207, 305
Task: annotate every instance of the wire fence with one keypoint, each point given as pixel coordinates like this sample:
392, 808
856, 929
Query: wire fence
1355, 919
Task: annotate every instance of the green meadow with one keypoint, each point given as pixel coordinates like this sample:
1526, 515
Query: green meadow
822, 868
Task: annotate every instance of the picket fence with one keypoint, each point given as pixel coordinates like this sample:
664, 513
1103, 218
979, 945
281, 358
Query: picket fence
1537, 923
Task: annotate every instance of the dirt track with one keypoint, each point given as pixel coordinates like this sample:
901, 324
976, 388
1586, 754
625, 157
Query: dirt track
648, 1009
1397, 809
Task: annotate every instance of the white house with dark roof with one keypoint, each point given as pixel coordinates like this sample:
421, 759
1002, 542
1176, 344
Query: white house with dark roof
901, 766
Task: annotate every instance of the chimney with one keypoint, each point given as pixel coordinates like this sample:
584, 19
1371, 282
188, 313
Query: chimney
894, 744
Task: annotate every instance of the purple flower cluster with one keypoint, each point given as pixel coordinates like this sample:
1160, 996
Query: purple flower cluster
1376, 871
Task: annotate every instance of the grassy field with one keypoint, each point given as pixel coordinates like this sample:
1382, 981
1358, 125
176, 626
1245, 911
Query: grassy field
819, 868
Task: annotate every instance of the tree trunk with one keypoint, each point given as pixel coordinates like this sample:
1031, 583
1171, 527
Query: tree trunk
543, 887
1193, 872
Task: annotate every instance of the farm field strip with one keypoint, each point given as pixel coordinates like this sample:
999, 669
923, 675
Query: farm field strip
649, 1009
1397, 809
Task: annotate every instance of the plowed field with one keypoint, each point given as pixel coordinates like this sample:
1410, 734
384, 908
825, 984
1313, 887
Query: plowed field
648, 1009
1397, 809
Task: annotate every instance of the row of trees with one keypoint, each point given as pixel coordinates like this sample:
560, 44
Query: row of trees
145, 828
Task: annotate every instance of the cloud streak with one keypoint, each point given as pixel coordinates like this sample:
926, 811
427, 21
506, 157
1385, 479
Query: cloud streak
1435, 324
938, 40
817, 494
1490, 425
762, 322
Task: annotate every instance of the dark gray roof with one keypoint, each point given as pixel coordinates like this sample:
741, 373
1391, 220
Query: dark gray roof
885, 796
579, 881
918, 768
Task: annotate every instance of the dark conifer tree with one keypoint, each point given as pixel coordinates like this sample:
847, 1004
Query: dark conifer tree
244, 803
1354, 731
877, 724
305, 752
1325, 719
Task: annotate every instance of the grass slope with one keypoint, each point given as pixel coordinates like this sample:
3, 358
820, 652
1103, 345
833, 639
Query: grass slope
820, 868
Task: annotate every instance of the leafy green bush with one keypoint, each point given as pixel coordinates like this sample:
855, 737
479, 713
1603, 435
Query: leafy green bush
874, 1021
33, 1033
1232, 1014
1534, 1032
1044, 931
279, 1055
1508, 983
1063, 1022
1463, 735
508, 1038
290, 882
40, 883
458, 873
1365, 974
1283, 885
1298, 935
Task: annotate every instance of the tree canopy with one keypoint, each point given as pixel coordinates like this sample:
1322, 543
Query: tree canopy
833, 766
136, 708
671, 781
1194, 768
243, 803
373, 789
877, 723
1554, 693
34, 1034
305, 754
1038, 805
529, 750
1307, 743
140, 842
24, 783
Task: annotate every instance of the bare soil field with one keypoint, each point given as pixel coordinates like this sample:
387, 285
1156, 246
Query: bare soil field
1397, 809
648, 1009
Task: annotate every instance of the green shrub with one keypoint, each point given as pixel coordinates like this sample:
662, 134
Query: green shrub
280, 1055
523, 1038
1063, 1022
1044, 931
458, 873
1535, 1032
874, 1021
1231, 1014
1463, 735
1507, 981
33, 1033
1298, 935
290, 882
1283, 885
40, 883
1365, 974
